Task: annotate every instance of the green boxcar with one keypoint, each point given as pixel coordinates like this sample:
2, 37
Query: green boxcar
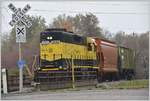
126, 62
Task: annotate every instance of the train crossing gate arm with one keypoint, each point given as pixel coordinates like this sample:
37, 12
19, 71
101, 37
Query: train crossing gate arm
31, 72
34, 63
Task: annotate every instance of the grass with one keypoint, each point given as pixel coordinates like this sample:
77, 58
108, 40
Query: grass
15, 71
132, 84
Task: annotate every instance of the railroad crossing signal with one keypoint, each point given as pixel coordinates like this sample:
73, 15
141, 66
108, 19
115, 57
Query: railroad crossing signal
19, 15
20, 34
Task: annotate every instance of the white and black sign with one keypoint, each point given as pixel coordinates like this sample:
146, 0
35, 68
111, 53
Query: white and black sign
20, 34
19, 15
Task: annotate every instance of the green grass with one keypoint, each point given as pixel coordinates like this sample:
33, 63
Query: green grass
133, 84
15, 71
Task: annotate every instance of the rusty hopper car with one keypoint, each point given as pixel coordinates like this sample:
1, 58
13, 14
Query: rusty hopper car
107, 55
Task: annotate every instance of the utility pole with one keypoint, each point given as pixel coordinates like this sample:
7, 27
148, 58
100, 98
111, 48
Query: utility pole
0, 25
20, 71
1, 17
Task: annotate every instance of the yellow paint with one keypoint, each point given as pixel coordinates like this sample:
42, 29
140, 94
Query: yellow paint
84, 67
29, 72
50, 69
66, 50
55, 51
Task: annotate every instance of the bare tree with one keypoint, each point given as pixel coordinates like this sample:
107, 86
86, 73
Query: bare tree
139, 44
81, 24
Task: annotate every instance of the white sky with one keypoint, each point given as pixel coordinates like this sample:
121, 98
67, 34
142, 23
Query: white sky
113, 16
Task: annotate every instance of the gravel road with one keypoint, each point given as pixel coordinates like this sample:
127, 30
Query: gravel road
82, 94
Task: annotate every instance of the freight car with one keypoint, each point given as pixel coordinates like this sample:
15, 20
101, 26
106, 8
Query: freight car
61, 50
108, 60
126, 62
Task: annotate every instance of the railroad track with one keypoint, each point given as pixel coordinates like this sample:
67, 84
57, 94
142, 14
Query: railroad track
63, 79
13, 82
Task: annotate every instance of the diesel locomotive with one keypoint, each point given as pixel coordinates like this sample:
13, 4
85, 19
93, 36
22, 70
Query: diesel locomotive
60, 49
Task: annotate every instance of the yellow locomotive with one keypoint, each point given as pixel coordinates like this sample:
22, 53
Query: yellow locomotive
68, 58
58, 47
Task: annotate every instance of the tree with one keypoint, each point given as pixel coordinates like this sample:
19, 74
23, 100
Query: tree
139, 44
107, 34
30, 48
87, 25
63, 21
5, 46
119, 38
81, 24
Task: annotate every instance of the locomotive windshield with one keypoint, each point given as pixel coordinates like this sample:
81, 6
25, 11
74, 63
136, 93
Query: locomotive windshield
50, 36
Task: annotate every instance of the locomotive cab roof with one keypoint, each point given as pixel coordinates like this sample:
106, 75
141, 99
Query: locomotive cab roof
56, 29
64, 36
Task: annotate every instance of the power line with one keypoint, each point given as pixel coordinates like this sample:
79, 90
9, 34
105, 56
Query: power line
55, 11
97, 12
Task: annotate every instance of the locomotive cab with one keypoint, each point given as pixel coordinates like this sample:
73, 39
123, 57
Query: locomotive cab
50, 49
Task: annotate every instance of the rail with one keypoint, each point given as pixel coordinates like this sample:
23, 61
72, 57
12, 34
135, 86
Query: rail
63, 79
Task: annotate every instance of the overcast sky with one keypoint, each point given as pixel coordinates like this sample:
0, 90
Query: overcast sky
113, 16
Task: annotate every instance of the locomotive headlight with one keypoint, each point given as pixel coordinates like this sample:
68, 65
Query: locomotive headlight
49, 38
60, 67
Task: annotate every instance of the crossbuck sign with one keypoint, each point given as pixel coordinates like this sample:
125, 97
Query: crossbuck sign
19, 15
20, 34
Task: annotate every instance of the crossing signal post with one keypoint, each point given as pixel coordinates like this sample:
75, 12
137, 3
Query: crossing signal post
20, 38
20, 71
19, 17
